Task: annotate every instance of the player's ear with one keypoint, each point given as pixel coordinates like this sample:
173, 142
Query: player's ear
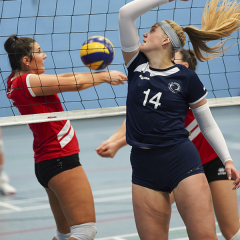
185, 64
166, 40
25, 60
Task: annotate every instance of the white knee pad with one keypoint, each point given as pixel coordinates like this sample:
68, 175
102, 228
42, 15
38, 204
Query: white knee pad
62, 236
236, 236
1, 146
86, 231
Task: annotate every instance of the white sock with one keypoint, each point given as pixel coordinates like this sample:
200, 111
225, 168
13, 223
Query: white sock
62, 236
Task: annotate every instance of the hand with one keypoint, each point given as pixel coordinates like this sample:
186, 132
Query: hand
115, 77
232, 172
107, 149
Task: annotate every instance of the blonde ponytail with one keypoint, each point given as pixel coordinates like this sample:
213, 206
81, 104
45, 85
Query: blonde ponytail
217, 22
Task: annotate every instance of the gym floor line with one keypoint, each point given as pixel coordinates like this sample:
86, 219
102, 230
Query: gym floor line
27, 215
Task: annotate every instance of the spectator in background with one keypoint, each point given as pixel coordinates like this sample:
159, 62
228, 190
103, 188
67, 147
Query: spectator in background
5, 187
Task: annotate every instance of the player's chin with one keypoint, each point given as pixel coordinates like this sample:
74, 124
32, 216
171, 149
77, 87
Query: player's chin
142, 47
40, 71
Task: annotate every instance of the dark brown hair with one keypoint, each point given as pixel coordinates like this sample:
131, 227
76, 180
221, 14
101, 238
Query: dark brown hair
17, 48
189, 57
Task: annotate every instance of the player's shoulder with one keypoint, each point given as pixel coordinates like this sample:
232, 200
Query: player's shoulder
186, 70
140, 56
19, 79
138, 59
188, 73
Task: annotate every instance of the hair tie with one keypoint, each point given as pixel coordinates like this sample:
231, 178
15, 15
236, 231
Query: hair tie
15, 38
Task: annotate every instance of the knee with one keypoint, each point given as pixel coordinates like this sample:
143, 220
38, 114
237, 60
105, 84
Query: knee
86, 231
236, 236
199, 234
230, 232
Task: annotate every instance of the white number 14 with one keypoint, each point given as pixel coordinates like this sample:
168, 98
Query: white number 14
152, 100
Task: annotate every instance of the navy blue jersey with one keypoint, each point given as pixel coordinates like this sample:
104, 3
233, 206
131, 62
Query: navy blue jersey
157, 103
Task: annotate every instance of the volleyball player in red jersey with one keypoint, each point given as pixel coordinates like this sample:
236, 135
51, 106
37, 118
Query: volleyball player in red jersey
224, 199
55, 145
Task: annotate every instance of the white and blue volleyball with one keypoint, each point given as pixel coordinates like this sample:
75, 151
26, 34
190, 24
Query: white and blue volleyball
97, 52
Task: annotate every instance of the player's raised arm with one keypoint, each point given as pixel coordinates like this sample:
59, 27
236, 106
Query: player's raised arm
128, 32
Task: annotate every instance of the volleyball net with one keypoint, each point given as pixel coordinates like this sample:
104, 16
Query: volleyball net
61, 27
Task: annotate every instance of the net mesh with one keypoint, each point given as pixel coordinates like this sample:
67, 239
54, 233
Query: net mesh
61, 27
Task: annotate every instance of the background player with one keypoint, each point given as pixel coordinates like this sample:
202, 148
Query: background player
224, 199
5, 187
55, 145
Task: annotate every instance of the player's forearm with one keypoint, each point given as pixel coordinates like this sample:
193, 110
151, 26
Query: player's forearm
211, 132
118, 137
121, 142
87, 80
70, 74
44, 85
136, 8
120, 134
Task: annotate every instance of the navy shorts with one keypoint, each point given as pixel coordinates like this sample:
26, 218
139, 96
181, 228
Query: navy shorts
48, 169
215, 170
163, 169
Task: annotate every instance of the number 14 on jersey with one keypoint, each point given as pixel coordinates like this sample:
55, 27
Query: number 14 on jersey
154, 100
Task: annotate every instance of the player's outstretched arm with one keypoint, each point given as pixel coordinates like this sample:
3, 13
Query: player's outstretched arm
128, 31
43, 85
110, 147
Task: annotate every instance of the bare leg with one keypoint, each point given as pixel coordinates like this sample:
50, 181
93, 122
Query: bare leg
194, 202
73, 192
226, 207
152, 211
61, 221
172, 199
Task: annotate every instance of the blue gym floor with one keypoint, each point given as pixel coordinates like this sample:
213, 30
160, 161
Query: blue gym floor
27, 214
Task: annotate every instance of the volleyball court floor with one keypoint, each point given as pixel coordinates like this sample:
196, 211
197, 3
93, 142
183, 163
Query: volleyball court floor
27, 214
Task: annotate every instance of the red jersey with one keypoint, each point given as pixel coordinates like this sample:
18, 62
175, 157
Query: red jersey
205, 150
51, 139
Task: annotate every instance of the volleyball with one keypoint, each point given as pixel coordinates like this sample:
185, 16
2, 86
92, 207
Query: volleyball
97, 52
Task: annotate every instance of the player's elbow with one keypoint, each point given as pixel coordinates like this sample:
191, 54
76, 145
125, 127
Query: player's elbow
123, 14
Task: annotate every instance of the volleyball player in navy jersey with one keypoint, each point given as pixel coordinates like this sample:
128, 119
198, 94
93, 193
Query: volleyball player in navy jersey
55, 145
224, 199
159, 94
